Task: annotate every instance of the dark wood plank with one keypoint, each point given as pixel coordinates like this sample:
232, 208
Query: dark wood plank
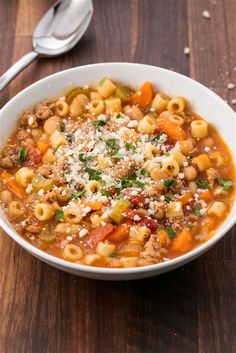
189, 310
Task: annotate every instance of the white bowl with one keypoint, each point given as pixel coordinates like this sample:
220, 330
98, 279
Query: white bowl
203, 101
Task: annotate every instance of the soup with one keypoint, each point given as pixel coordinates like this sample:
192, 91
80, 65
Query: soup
114, 177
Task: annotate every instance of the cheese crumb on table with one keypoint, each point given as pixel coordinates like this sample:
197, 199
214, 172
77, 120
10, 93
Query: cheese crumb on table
187, 51
230, 85
206, 14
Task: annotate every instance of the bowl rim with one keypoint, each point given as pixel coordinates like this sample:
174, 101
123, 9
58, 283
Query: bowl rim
168, 265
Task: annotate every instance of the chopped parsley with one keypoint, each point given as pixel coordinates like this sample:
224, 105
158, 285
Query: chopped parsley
111, 143
113, 255
130, 146
62, 127
117, 154
118, 190
93, 174
144, 172
77, 195
203, 184
119, 116
170, 231
227, 184
197, 211
160, 138
169, 182
167, 154
99, 122
133, 176
59, 215
70, 137
139, 184
168, 198
125, 183
105, 192
22, 155
83, 157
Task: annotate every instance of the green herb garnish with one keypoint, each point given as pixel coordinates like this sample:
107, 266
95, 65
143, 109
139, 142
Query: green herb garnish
130, 146
83, 157
168, 198
62, 127
169, 182
119, 116
125, 183
197, 211
77, 195
105, 192
203, 184
22, 155
133, 176
118, 190
59, 215
70, 137
170, 232
144, 172
117, 154
99, 122
227, 184
139, 184
167, 154
93, 174
111, 143
113, 255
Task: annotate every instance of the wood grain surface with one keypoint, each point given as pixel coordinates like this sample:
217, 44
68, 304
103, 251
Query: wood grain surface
190, 310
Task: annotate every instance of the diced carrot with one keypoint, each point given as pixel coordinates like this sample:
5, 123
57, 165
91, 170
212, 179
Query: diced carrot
174, 131
12, 185
183, 242
209, 223
185, 198
43, 146
121, 232
98, 234
205, 195
95, 206
163, 237
143, 96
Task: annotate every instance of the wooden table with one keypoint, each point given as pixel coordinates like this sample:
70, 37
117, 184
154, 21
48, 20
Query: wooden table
189, 310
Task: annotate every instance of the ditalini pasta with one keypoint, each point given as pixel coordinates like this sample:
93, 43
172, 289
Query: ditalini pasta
114, 177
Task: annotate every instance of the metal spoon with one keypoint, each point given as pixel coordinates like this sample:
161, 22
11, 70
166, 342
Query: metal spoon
58, 31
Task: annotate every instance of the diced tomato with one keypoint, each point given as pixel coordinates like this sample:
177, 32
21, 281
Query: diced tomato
137, 198
33, 157
98, 234
140, 218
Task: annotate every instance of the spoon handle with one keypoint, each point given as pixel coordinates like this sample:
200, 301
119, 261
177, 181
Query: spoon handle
16, 68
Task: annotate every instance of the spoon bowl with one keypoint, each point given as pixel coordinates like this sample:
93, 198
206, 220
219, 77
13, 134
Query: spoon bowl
58, 31
62, 27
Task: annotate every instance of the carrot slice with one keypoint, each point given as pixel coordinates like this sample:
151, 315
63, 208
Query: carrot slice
183, 242
121, 232
143, 96
174, 131
43, 146
205, 195
12, 185
98, 234
185, 198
